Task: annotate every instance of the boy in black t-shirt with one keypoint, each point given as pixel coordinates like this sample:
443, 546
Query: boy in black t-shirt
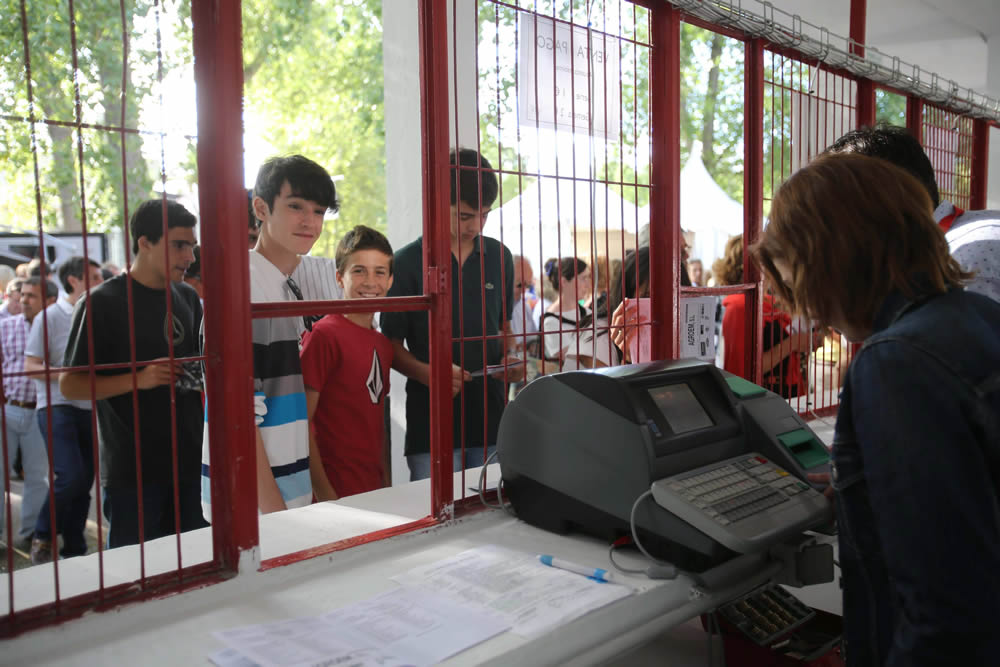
153, 270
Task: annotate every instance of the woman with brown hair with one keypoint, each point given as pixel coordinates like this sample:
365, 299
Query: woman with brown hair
916, 457
782, 346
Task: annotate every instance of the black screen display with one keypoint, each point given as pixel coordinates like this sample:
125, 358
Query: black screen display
680, 407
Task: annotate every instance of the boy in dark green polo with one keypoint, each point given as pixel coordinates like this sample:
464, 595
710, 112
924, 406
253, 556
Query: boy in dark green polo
482, 287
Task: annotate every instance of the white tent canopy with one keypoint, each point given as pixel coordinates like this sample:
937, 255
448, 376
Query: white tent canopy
554, 216
707, 210
709, 217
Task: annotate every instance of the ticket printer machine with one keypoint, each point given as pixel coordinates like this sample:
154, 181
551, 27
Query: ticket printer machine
726, 461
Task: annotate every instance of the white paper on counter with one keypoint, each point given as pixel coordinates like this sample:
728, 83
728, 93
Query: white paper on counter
511, 582
402, 627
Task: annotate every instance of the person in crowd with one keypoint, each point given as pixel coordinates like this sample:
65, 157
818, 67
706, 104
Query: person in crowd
571, 279
109, 270
853, 244
543, 287
973, 236
253, 224
70, 439
20, 426
21, 270
12, 299
478, 296
521, 323
6, 275
782, 344
592, 347
113, 316
599, 278
345, 368
697, 273
192, 275
291, 197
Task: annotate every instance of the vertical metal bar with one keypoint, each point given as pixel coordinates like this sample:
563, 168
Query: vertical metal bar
865, 112
437, 242
858, 20
753, 191
915, 117
980, 164
218, 70
664, 204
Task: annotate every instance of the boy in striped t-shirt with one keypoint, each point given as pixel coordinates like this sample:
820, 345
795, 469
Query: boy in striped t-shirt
291, 196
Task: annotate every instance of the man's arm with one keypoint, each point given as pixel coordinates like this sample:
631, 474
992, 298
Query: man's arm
322, 488
75, 385
33, 364
407, 364
268, 496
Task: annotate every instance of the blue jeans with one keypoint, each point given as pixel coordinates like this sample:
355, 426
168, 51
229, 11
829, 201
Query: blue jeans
121, 509
420, 464
22, 432
73, 464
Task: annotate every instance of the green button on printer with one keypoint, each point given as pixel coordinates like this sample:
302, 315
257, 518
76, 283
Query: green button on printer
804, 446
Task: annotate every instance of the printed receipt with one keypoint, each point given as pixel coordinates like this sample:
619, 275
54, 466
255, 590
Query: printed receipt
404, 627
514, 583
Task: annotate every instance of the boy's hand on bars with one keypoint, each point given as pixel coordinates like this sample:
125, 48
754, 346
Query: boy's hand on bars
515, 371
458, 378
155, 375
618, 326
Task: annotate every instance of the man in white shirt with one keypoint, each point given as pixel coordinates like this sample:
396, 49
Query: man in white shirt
973, 236
70, 438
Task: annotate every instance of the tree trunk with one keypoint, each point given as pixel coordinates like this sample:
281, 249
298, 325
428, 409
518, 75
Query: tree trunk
711, 100
65, 172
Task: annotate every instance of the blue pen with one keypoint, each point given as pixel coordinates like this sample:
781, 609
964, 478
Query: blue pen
597, 574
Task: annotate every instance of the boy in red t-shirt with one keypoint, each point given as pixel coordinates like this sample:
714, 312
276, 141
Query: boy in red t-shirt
345, 367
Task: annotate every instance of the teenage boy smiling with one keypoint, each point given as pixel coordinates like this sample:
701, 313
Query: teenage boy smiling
291, 196
345, 366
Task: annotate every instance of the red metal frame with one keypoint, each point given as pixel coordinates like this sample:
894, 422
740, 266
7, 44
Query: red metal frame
980, 164
218, 61
437, 243
218, 68
664, 198
753, 198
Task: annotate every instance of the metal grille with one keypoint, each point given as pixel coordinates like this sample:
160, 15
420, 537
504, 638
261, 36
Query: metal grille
948, 142
563, 102
806, 108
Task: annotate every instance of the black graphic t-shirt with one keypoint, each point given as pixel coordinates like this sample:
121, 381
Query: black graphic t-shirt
116, 430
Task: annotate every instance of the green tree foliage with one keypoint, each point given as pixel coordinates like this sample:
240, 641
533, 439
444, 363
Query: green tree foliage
313, 84
98, 75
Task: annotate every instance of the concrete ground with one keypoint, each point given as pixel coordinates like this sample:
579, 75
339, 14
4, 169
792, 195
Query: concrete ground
21, 557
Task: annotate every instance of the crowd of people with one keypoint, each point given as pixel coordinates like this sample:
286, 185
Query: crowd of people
858, 241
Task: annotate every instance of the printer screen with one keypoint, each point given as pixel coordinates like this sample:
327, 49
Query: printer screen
680, 407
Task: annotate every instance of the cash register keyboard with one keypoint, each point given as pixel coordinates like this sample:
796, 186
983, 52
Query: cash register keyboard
743, 502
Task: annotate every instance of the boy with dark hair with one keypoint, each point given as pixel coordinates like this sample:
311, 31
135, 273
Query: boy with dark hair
486, 296
973, 236
70, 439
291, 197
155, 269
345, 366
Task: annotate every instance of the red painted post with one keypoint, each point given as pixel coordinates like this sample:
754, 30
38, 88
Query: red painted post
865, 111
664, 197
980, 163
437, 243
218, 69
753, 197
915, 117
859, 15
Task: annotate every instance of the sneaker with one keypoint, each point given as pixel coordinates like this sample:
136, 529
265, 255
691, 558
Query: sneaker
41, 551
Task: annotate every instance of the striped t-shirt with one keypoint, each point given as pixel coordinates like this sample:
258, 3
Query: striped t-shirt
278, 376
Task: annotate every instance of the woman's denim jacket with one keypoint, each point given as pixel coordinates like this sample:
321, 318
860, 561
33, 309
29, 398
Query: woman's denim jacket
916, 468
